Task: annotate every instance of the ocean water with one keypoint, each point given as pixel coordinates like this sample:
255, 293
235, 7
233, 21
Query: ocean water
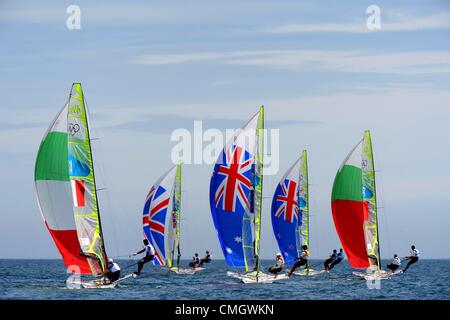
45, 279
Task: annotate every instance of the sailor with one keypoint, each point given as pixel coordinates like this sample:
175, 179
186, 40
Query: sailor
206, 259
302, 260
330, 259
340, 256
279, 265
149, 255
413, 258
195, 261
395, 264
113, 272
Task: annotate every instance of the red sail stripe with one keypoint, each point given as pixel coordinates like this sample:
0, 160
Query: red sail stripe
159, 206
79, 193
349, 218
156, 226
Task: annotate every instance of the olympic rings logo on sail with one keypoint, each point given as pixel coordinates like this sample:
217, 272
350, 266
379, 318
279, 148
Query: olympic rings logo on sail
73, 128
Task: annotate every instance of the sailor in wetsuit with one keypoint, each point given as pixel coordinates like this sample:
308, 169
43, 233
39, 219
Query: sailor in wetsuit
149, 255
340, 256
395, 264
279, 265
330, 259
206, 259
195, 261
303, 260
113, 272
413, 258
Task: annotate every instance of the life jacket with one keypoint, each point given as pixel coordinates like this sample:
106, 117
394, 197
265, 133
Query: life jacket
113, 267
150, 249
279, 262
305, 254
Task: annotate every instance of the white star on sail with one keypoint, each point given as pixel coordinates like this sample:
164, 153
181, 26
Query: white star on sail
229, 250
238, 239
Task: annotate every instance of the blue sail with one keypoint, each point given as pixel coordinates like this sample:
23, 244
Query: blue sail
156, 220
285, 218
230, 202
234, 196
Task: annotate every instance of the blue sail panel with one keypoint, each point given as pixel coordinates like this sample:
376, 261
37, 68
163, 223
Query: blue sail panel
285, 218
229, 202
154, 218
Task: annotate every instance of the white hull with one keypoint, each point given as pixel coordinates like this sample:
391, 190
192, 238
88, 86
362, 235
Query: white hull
378, 275
308, 272
96, 284
253, 277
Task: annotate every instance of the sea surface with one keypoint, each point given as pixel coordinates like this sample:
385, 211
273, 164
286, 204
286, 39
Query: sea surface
45, 279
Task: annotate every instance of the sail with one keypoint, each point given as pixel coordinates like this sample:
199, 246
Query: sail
257, 182
235, 194
54, 193
158, 223
353, 205
370, 201
303, 203
290, 221
81, 174
174, 227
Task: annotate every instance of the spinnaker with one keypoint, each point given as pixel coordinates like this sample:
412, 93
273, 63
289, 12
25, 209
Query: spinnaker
354, 206
235, 197
66, 190
290, 210
161, 220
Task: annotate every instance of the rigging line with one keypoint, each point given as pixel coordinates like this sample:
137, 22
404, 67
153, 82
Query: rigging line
384, 215
99, 153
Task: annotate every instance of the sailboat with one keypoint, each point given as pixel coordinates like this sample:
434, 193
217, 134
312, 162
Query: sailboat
235, 200
161, 220
290, 213
67, 194
354, 207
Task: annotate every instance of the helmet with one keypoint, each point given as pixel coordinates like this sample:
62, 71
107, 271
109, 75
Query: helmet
110, 260
278, 254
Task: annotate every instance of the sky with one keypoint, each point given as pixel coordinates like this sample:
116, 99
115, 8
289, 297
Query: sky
153, 67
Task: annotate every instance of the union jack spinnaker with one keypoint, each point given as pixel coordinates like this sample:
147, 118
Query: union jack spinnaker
161, 217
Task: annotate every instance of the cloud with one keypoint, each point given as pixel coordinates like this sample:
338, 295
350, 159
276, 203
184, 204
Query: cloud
398, 22
430, 62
